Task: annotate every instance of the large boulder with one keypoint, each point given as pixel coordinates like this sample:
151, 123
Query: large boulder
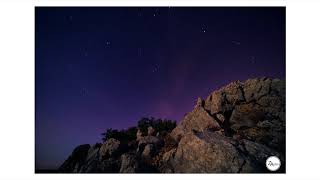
109, 148
257, 154
252, 90
129, 163
211, 152
224, 99
256, 88
246, 115
148, 145
198, 119
268, 132
207, 152
166, 162
262, 117
103, 158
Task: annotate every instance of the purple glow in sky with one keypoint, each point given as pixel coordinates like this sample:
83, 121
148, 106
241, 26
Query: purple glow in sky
99, 68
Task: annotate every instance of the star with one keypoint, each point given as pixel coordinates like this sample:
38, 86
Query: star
203, 28
236, 42
108, 43
156, 13
156, 68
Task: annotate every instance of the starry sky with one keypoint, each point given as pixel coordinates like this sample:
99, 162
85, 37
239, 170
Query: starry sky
106, 67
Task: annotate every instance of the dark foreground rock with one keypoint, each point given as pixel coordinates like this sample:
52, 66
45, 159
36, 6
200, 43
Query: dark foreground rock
234, 130
76, 160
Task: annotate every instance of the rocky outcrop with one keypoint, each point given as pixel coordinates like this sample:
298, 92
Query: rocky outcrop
109, 148
92, 160
234, 130
148, 146
249, 126
139, 134
212, 152
198, 119
129, 163
151, 131
207, 152
76, 159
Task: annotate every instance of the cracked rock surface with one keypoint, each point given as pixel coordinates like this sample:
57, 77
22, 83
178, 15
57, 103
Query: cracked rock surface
251, 127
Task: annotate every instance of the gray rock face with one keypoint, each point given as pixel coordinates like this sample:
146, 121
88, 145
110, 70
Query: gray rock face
168, 155
249, 125
149, 144
211, 152
207, 152
199, 119
92, 160
129, 163
246, 115
93, 152
167, 160
225, 98
256, 88
199, 103
109, 148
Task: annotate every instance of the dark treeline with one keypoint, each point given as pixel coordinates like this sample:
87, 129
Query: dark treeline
126, 135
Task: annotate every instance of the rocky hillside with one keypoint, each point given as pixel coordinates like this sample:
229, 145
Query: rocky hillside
234, 130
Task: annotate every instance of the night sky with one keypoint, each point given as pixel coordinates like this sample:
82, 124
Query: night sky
99, 68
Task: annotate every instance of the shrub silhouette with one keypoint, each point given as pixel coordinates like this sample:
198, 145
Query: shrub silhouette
126, 135
123, 135
158, 124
